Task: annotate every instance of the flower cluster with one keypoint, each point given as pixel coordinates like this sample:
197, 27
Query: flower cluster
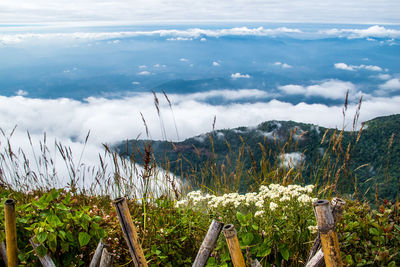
271, 198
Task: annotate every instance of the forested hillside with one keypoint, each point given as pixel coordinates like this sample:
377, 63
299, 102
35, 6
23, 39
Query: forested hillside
365, 161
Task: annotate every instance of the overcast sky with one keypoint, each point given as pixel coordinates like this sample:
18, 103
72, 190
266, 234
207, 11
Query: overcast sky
138, 11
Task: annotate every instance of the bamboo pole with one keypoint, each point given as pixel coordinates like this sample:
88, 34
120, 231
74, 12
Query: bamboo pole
233, 245
106, 259
3, 252
329, 239
11, 232
316, 257
130, 233
208, 244
97, 255
46, 261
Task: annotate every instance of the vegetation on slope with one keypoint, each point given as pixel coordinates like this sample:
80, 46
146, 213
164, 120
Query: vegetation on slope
372, 156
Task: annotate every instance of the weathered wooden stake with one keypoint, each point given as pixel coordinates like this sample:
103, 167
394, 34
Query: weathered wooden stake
329, 239
97, 255
130, 233
208, 244
233, 245
3, 252
46, 261
11, 232
316, 257
106, 259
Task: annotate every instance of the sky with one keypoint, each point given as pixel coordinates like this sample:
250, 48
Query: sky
141, 11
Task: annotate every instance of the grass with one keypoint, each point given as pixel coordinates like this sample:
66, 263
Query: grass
274, 219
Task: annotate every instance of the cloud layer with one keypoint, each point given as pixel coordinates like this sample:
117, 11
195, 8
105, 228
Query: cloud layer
351, 11
30, 36
373, 31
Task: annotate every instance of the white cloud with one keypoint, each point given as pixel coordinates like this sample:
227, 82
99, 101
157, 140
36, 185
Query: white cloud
373, 31
142, 67
344, 66
180, 39
22, 92
238, 75
293, 89
330, 89
391, 85
183, 59
135, 83
384, 76
144, 73
215, 64
227, 95
283, 65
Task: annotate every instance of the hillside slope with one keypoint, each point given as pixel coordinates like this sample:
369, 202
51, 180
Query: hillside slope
373, 163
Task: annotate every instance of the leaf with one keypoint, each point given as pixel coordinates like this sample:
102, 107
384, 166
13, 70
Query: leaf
397, 227
41, 237
53, 220
52, 244
264, 251
247, 218
241, 218
373, 231
247, 238
392, 264
41, 251
84, 238
285, 253
255, 227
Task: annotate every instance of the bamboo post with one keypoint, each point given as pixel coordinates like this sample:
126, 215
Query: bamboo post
130, 233
316, 257
208, 244
106, 259
46, 261
233, 245
11, 232
329, 239
3, 252
97, 255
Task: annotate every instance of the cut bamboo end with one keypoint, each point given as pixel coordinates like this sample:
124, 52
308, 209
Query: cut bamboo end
233, 245
11, 232
326, 227
209, 243
95, 262
130, 233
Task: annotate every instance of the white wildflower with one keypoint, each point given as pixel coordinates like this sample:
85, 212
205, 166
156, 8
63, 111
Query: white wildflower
259, 213
304, 199
284, 198
260, 203
273, 206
